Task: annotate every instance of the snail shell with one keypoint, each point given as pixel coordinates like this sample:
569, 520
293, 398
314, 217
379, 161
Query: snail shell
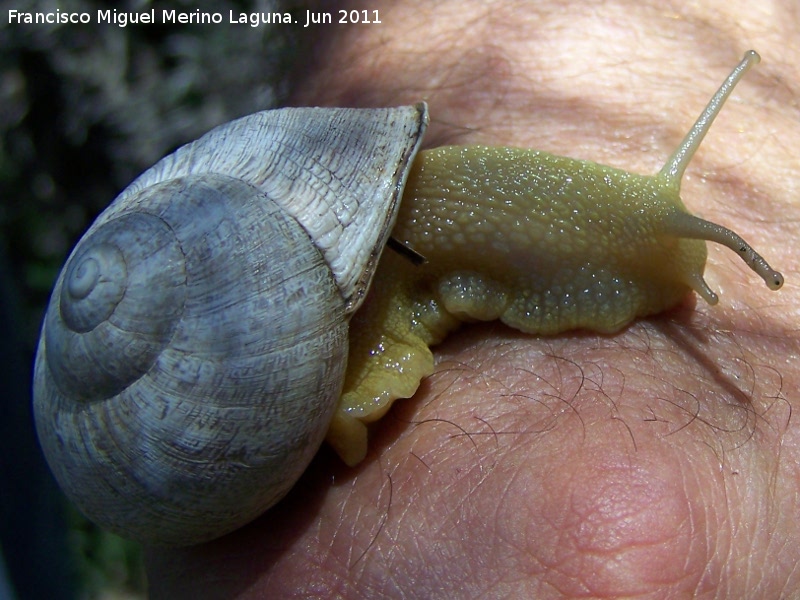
193, 350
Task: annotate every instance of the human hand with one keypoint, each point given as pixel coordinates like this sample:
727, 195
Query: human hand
658, 462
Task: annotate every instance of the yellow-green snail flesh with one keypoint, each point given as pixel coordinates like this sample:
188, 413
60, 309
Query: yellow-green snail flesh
198, 424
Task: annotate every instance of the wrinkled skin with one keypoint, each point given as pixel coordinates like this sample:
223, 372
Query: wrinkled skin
661, 462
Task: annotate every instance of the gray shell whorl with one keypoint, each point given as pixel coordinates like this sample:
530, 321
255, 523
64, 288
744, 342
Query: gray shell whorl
194, 347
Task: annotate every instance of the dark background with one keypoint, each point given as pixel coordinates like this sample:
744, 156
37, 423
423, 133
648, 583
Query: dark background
83, 110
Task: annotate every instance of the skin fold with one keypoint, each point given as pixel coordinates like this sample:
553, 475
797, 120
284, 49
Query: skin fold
658, 462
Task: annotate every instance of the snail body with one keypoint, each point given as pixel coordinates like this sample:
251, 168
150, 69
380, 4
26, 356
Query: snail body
543, 243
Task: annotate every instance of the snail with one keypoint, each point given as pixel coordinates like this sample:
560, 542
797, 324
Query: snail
192, 357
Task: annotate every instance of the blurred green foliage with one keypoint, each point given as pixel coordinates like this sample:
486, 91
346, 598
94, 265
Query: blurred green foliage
106, 564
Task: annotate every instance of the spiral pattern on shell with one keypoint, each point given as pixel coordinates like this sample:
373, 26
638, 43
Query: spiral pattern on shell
194, 348
153, 386
103, 337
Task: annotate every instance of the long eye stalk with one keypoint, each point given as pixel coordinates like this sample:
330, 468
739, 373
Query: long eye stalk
677, 163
